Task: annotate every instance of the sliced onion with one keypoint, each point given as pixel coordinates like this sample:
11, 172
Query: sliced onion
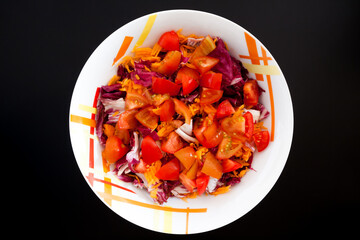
185, 136
187, 128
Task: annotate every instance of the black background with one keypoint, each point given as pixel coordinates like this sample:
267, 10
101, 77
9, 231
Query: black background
44, 45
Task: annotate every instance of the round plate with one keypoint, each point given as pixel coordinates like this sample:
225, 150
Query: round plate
207, 212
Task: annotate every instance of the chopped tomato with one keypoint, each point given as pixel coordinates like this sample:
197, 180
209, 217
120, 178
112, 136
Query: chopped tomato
169, 64
172, 143
201, 183
186, 72
167, 110
186, 156
209, 96
169, 171
230, 165
204, 63
158, 99
262, 140
224, 109
212, 166
206, 46
234, 125
189, 184
127, 120
192, 172
114, 149
251, 93
183, 110
123, 134
249, 124
141, 167
189, 78
135, 100
211, 80
150, 151
169, 41
207, 131
163, 86
226, 148
147, 117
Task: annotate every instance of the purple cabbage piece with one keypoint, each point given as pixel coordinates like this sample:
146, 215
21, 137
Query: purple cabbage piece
112, 92
147, 131
133, 156
144, 77
225, 64
100, 120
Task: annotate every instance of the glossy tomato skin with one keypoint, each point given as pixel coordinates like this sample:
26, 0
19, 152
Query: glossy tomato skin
169, 64
147, 117
183, 110
230, 165
164, 86
261, 140
189, 184
224, 109
127, 119
209, 135
167, 110
204, 63
114, 149
211, 80
249, 125
169, 171
226, 149
251, 93
172, 143
201, 183
150, 151
135, 100
186, 156
209, 96
169, 41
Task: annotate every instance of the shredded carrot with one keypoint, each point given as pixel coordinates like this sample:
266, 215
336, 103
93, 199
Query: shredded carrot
150, 174
221, 190
156, 50
113, 80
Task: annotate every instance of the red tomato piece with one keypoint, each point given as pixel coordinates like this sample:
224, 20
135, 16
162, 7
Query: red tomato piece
189, 184
201, 183
251, 93
163, 86
209, 96
230, 165
207, 132
140, 167
262, 140
127, 120
224, 109
169, 41
167, 110
183, 110
226, 148
147, 117
249, 125
169, 64
204, 63
189, 78
150, 151
186, 156
114, 149
135, 100
211, 80
169, 171
172, 143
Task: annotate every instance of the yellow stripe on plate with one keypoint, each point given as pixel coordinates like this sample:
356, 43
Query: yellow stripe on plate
87, 108
168, 222
82, 120
261, 69
146, 31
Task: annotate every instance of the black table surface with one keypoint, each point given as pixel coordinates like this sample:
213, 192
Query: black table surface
44, 45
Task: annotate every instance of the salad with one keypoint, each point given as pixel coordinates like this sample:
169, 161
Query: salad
181, 119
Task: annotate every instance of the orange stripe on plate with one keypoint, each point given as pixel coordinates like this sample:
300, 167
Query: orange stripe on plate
187, 222
82, 120
255, 58
123, 48
253, 53
152, 206
272, 105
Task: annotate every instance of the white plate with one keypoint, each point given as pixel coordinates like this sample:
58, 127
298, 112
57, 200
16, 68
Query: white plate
206, 212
